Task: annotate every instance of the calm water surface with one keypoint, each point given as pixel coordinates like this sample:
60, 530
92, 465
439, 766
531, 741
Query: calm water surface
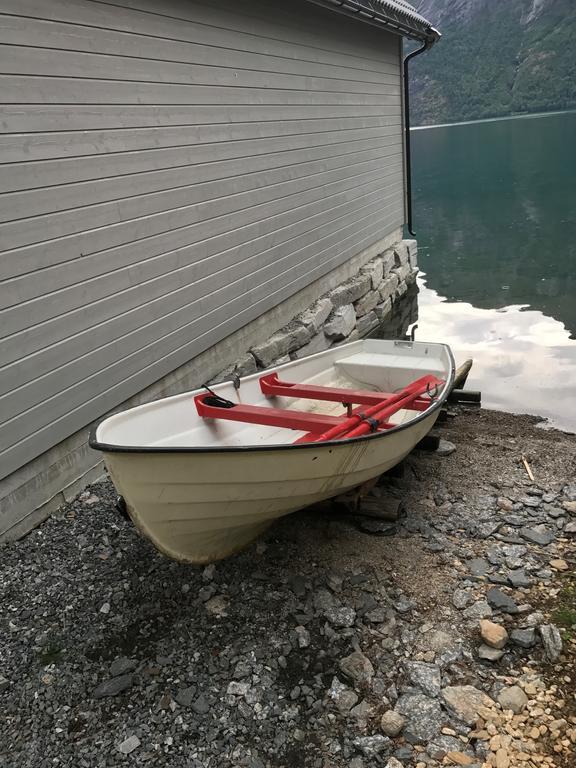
495, 215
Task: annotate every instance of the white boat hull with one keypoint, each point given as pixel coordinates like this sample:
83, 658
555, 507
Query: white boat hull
200, 505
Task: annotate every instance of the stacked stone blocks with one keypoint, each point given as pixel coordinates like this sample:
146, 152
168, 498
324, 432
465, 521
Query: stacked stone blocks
348, 312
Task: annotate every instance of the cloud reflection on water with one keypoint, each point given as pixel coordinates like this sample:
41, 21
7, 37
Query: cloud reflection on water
524, 361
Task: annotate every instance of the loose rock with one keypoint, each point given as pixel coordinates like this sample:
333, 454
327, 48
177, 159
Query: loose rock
513, 698
392, 723
424, 717
539, 535
129, 745
489, 654
524, 638
113, 687
493, 634
501, 601
424, 676
342, 696
357, 668
465, 701
371, 746
551, 640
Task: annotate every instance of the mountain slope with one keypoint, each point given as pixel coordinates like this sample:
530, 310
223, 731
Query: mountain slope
495, 58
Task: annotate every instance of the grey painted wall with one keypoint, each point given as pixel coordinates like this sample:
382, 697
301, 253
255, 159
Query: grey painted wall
172, 170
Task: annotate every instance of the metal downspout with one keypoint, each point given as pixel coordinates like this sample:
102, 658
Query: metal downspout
417, 52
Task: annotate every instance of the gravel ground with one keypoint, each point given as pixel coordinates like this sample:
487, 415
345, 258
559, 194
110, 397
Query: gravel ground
321, 646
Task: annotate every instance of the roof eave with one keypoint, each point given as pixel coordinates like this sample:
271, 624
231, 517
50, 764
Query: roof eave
385, 17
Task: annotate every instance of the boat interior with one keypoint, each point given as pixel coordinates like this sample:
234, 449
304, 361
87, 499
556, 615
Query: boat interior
368, 365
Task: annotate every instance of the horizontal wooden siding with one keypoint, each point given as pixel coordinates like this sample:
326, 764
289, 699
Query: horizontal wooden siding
169, 171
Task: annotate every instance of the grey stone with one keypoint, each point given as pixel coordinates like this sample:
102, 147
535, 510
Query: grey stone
424, 717
237, 688
356, 762
487, 653
303, 636
113, 687
441, 745
403, 605
362, 711
513, 698
551, 640
412, 246
318, 343
4, 683
394, 763
514, 555
501, 601
519, 578
411, 276
401, 254
358, 668
375, 269
209, 572
246, 365
424, 676
341, 322
370, 746
404, 753
516, 521
401, 291
185, 696
392, 723
367, 303
388, 287
478, 567
201, 706
570, 528
533, 619
383, 310
464, 701
525, 638
402, 272
351, 290
280, 344
388, 260
445, 448
129, 745
122, 666
377, 615
316, 316
437, 640
333, 610
478, 610
530, 501
367, 324
461, 598
343, 697
538, 535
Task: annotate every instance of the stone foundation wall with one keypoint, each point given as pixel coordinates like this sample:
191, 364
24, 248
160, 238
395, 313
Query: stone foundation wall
366, 302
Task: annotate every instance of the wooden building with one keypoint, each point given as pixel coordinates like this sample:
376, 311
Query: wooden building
177, 177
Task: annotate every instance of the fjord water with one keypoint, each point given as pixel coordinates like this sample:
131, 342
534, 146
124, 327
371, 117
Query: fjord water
495, 217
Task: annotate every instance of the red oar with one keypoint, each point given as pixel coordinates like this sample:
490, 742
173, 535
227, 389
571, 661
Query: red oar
374, 417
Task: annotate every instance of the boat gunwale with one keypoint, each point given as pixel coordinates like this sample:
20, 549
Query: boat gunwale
112, 448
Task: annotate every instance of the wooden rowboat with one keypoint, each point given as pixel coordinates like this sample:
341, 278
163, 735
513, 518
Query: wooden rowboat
205, 472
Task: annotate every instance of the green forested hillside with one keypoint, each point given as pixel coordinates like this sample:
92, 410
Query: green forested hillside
496, 57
